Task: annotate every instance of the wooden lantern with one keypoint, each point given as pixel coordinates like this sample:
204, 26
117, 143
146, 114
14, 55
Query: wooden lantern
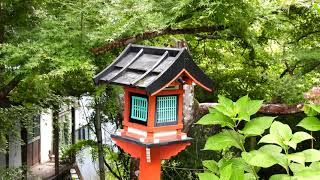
153, 80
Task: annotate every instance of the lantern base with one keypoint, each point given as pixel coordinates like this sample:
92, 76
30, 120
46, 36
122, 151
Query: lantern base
150, 154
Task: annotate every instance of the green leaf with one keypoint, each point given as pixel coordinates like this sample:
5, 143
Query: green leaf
315, 107
241, 103
297, 138
266, 156
207, 176
270, 138
281, 177
270, 148
307, 174
225, 106
310, 123
297, 157
291, 144
315, 165
243, 116
257, 126
295, 167
215, 118
224, 140
211, 165
312, 155
281, 130
246, 107
254, 106
225, 101
237, 173
249, 176
258, 158
309, 111
300, 136
238, 167
226, 172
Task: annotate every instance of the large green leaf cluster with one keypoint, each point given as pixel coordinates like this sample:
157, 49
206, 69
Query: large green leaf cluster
280, 147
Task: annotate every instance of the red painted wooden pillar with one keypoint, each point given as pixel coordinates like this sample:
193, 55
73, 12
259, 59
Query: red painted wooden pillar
150, 170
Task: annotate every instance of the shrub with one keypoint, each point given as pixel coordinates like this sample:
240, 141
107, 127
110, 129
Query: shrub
280, 144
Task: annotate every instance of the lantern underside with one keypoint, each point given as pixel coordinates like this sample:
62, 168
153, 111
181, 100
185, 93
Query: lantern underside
150, 154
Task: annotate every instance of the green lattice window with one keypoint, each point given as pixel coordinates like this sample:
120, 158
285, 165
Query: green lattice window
166, 112
139, 108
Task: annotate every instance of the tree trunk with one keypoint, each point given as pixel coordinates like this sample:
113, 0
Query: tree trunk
7, 152
24, 158
99, 141
134, 168
73, 125
56, 140
73, 130
2, 24
188, 107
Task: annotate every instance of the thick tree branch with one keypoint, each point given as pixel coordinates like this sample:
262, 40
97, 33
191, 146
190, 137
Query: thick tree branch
276, 109
9, 87
307, 34
4, 92
271, 109
151, 34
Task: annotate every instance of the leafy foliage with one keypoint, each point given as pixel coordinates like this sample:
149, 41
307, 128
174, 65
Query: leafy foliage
12, 173
311, 123
10, 120
236, 112
68, 154
267, 49
278, 149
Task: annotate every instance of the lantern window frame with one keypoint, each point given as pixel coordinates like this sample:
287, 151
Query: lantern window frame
166, 122
132, 117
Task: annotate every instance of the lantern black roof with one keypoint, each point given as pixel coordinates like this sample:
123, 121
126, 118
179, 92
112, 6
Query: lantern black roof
152, 68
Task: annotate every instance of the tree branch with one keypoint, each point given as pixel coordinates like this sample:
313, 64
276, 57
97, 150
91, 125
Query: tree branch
110, 169
306, 35
151, 34
275, 109
271, 109
9, 87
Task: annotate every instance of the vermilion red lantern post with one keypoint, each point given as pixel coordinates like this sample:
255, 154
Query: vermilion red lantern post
153, 80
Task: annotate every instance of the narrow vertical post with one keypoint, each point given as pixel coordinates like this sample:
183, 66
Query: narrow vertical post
73, 126
56, 139
7, 151
24, 152
99, 141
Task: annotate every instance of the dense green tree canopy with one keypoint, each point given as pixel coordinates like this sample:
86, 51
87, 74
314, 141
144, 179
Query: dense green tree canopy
269, 49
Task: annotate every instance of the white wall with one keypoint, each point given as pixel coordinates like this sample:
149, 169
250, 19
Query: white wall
83, 111
46, 135
14, 151
88, 167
